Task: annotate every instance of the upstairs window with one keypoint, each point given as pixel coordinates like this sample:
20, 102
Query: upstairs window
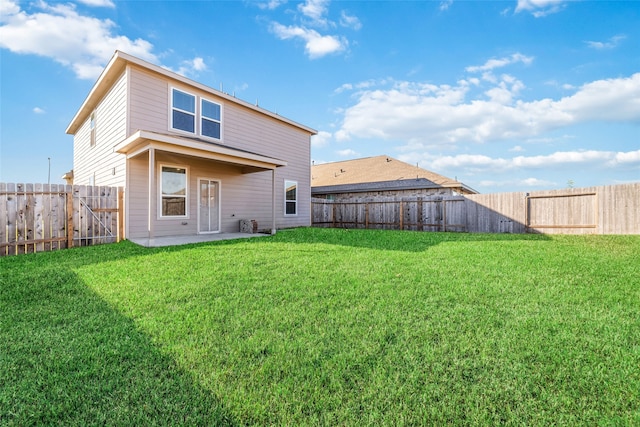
290, 198
183, 111
195, 115
210, 122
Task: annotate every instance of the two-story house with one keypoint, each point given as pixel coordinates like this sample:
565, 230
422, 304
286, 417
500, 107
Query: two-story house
192, 159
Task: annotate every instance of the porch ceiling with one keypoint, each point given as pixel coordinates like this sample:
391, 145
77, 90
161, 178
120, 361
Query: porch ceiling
143, 141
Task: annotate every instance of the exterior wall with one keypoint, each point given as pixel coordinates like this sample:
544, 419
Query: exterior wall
98, 164
149, 102
136, 197
244, 129
392, 193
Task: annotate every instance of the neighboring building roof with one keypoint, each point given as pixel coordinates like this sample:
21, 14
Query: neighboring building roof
117, 65
376, 173
403, 184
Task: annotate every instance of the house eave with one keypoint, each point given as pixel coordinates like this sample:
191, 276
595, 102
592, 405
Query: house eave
399, 185
142, 141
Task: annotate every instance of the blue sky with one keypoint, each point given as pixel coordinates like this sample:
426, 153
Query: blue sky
504, 96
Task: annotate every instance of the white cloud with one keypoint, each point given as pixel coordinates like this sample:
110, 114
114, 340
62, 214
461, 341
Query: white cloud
344, 87
478, 162
362, 85
445, 4
242, 87
527, 182
315, 11
190, 67
271, 4
8, 8
98, 3
505, 91
349, 21
422, 113
313, 14
198, 64
516, 149
609, 44
630, 157
83, 43
347, 153
540, 8
322, 139
38, 110
535, 182
492, 64
316, 45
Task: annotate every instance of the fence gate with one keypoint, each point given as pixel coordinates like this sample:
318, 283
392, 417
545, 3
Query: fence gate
96, 216
43, 217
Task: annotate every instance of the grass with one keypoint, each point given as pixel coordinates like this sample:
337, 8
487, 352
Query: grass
325, 327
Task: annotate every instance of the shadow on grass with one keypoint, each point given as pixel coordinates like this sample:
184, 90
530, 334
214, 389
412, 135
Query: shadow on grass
393, 240
68, 358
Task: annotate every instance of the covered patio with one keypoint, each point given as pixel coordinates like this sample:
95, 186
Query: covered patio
146, 151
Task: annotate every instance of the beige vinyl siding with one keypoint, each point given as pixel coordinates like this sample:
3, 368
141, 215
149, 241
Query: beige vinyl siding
249, 130
149, 102
98, 163
137, 196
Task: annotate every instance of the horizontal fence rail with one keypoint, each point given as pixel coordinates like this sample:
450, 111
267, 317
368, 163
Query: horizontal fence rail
613, 209
43, 217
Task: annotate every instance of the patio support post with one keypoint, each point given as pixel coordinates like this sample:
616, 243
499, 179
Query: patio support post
273, 201
152, 189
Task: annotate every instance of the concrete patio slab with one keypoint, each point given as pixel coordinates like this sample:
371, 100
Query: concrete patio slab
157, 242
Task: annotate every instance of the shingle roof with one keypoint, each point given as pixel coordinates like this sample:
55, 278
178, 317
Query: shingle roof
402, 184
373, 169
117, 65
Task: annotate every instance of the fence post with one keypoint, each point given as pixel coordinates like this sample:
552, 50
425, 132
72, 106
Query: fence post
69, 201
401, 215
366, 215
526, 213
444, 214
333, 215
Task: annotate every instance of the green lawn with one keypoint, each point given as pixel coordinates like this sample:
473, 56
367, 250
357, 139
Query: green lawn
325, 327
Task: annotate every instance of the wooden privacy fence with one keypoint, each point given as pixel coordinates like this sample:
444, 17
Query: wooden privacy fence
43, 217
408, 213
613, 209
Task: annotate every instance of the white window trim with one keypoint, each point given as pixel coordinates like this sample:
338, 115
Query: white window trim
197, 128
159, 185
195, 112
201, 117
285, 198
